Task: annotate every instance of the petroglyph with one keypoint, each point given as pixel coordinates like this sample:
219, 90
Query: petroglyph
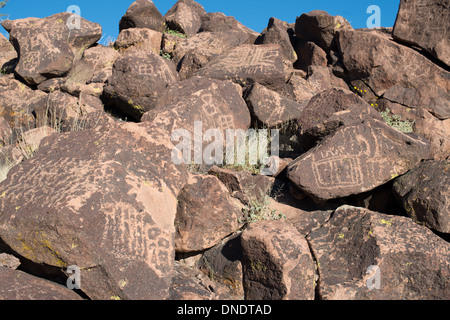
356, 159
252, 59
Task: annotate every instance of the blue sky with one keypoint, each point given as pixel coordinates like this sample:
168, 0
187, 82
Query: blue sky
253, 13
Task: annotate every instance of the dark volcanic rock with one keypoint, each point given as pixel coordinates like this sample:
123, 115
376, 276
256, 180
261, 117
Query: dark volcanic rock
309, 54
329, 110
143, 14
320, 27
270, 108
206, 214
425, 24
137, 80
248, 64
425, 194
277, 263
356, 159
47, 47
399, 73
365, 255
185, 16
18, 285
104, 200
279, 32
138, 39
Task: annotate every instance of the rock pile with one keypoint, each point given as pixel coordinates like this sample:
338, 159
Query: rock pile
358, 206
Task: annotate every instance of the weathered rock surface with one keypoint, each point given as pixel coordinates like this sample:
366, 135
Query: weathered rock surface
223, 263
47, 46
5, 132
113, 214
425, 24
217, 21
138, 39
248, 64
18, 285
358, 247
7, 53
9, 261
399, 73
137, 80
194, 53
424, 192
329, 110
356, 159
270, 108
309, 54
143, 14
217, 104
185, 16
279, 32
277, 263
436, 131
320, 27
206, 214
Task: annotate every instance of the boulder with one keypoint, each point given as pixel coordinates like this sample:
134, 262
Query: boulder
192, 54
216, 104
309, 54
7, 54
223, 263
424, 123
47, 47
277, 263
143, 14
137, 80
5, 132
217, 21
9, 261
197, 226
185, 16
279, 32
425, 24
138, 39
248, 64
365, 255
94, 60
329, 110
320, 27
424, 192
355, 159
396, 72
104, 200
271, 109
18, 285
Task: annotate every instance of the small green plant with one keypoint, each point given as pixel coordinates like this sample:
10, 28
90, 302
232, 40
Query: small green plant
396, 122
165, 55
259, 210
175, 33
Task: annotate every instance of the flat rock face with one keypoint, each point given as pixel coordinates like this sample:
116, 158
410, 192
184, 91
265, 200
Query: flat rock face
185, 16
399, 73
138, 39
217, 21
47, 46
217, 104
194, 53
113, 215
365, 255
270, 108
425, 24
425, 194
143, 14
331, 109
277, 263
137, 80
356, 159
248, 64
18, 285
197, 226
279, 32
